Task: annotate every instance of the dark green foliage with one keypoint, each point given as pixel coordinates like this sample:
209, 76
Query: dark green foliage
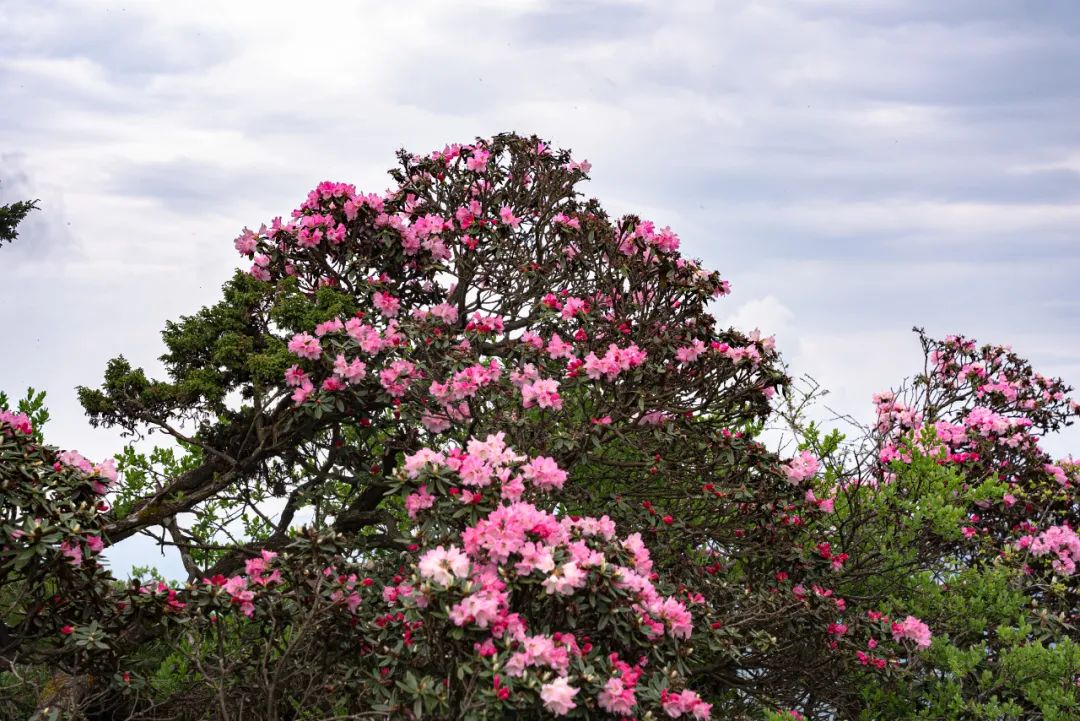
10, 217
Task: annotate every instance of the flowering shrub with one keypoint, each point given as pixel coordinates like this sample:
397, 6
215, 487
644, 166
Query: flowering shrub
473, 449
50, 531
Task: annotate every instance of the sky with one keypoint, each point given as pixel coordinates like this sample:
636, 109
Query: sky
854, 168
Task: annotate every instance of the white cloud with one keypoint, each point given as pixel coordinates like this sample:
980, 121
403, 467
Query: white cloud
767, 314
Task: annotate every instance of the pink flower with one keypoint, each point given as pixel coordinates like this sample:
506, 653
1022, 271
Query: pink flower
301, 394
543, 393
1061, 541
73, 551
478, 160
387, 304
678, 620
565, 580
801, 467
234, 585
332, 384
419, 501
365, 336
20, 422
544, 473
913, 629
557, 348
349, 371
435, 423
615, 361
532, 339
295, 377
397, 377
421, 459
566, 221
508, 217
688, 702
484, 323
617, 698
467, 214
690, 353
246, 242
572, 306
330, 326
305, 345
244, 600
442, 565
558, 696
445, 312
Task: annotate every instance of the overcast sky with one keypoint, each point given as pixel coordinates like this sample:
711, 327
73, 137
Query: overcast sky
854, 168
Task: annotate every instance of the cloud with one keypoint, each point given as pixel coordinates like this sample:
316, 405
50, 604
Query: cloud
767, 314
130, 46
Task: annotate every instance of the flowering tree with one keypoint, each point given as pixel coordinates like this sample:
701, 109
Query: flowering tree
473, 449
980, 523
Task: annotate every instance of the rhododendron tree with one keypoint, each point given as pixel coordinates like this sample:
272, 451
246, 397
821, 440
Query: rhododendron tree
471, 448
952, 487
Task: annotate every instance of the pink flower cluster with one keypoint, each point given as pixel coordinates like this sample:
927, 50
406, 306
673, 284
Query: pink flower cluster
237, 589
463, 385
258, 572
106, 470
418, 501
1066, 472
646, 241
305, 345
690, 353
903, 425
801, 467
17, 422
1061, 541
396, 377
482, 463
750, 353
558, 696
441, 565
615, 361
444, 312
686, 702
543, 393
913, 629
256, 569
386, 304
619, 694
368, 337
516, 542
986, 422
480, 323
892, 415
